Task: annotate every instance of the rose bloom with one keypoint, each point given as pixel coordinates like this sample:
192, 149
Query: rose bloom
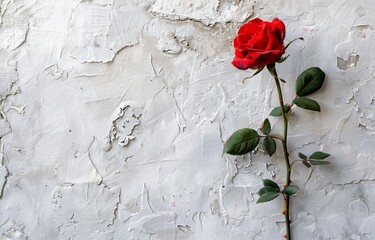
259, 43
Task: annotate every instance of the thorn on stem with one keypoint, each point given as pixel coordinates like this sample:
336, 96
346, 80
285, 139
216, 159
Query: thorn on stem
283, 212
286, 236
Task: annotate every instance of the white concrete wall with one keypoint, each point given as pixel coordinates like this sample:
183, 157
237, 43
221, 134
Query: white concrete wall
114, 113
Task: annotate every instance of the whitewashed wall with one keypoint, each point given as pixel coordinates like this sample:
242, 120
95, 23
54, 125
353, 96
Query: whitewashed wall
114, 113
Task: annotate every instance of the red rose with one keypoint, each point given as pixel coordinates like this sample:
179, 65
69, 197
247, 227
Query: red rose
259, 43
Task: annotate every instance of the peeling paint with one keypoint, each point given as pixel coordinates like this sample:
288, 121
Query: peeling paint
123, 122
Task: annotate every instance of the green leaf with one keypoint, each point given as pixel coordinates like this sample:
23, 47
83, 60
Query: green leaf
302, 156
258, 70
268, 196
241, 142
283, 59
270, 183
319, 162
307, 164
292, 42
277, 111
319, 155
267, 189
266, 127
290, 190
269, 145
309, 81
307, 103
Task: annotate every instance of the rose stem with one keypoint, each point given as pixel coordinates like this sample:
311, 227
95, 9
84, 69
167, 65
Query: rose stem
286, 154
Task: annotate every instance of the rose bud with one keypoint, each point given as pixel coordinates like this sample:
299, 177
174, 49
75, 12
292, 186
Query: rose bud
259, 43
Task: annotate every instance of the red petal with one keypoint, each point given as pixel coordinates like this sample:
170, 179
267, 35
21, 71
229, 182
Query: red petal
243, 63
280, 26
262, 41
243, 39
239, 54
273, 42
267, 57
252, 27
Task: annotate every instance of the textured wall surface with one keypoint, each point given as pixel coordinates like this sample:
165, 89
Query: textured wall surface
114, 113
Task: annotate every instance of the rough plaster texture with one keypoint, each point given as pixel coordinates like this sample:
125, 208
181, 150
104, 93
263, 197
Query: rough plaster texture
114, 112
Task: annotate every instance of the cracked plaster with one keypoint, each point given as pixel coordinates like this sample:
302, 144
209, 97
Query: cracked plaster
113, 115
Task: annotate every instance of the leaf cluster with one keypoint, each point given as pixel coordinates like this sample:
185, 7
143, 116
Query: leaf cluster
271, 191
268, 143
317, 158
246, 140
309, 82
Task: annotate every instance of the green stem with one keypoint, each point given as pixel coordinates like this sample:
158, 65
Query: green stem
286, 154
